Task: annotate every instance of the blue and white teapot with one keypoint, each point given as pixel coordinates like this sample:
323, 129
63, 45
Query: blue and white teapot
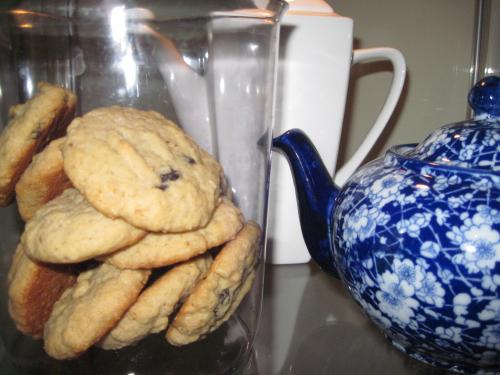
415, 235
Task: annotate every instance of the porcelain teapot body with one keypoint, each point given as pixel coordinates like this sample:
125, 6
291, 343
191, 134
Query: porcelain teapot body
415, 236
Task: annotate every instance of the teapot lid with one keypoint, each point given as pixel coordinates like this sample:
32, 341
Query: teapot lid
474, 143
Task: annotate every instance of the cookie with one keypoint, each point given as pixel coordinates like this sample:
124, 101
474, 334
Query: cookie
69, 230
140, 167
30, 126
89, 309
217, 296
67, 116
150, 313
225, 187
42, 181
33, 289
158, 249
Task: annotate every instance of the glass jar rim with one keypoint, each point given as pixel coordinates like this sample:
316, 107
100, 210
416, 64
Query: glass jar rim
269, 10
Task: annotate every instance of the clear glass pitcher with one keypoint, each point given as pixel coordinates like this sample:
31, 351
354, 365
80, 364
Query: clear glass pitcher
155, 56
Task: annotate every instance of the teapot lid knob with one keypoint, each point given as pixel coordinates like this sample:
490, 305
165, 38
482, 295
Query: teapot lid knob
484, 97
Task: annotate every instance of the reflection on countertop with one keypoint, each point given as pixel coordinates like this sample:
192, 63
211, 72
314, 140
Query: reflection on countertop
310, 325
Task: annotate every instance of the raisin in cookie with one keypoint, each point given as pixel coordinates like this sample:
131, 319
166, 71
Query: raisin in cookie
30, 126
140, 167
34, 287
69, 230
42, 181
161, 249
217, 296
89, 309
151, 311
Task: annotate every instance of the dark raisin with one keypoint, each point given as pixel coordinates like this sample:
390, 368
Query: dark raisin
222, 306
224, 296
189, 159
170, 176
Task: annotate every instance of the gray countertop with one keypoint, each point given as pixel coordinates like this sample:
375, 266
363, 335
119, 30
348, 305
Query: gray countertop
310, 325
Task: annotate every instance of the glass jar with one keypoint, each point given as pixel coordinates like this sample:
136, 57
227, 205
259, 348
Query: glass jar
207, 65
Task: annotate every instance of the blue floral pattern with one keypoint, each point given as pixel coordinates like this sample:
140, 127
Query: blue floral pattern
470, 144
419, 248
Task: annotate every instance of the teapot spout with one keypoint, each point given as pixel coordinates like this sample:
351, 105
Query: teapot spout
316, 194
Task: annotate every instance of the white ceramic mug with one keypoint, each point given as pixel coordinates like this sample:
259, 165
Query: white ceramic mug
313, 73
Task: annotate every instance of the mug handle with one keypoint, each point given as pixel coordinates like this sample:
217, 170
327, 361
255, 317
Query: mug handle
399, 66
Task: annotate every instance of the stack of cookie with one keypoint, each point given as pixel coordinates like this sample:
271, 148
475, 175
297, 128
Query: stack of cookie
126, 220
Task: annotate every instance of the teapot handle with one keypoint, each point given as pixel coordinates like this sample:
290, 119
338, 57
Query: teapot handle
399, 66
